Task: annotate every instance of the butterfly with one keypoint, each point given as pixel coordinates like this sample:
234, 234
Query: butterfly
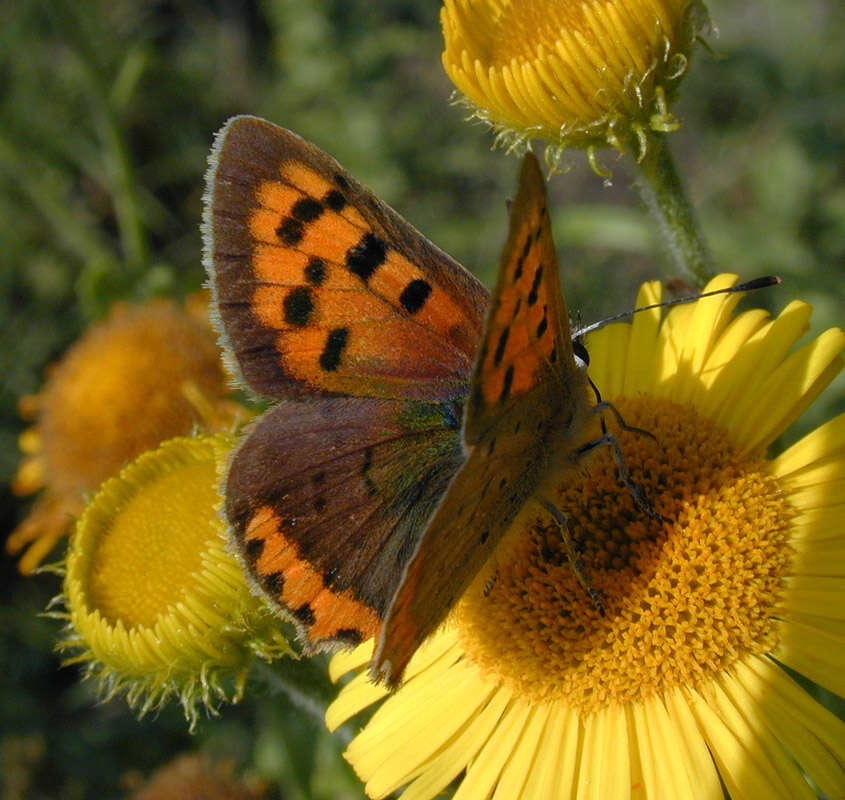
414, 414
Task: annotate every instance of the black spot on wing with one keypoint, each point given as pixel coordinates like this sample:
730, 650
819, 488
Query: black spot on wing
274, 583
349, 636
535, 285
367, 256
335, 200
305, 614
521, 260
315, 271
544, 323
306, 210
298, 306
290, 231
500, 347
414, 295
506, 387
333, 350
253, 548
341, 181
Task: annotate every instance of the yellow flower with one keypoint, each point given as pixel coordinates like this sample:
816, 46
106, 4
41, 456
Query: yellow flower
143, 375
578, 73
528, 691
156, 605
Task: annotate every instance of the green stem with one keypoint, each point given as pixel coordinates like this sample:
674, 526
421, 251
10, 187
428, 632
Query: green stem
663, 193
305, 683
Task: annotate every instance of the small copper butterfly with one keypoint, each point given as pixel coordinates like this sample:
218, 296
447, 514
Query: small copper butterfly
414, 414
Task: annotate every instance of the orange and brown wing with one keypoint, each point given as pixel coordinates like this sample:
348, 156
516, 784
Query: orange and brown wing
320, 287
526, 360
528, 401
327, 498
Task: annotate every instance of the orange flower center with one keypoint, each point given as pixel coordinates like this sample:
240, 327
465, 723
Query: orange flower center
682, 599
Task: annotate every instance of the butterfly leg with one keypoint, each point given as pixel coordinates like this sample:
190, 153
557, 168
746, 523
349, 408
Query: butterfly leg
609, 440
604, 405
572, 553
599, 402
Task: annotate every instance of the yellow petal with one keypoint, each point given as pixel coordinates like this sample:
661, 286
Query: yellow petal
611, 354
530, 749
762, 354
730, 346
485, 769
789, 390
605, 759
814, 736
349, 660
738, 699
699, 762
459, 752
552, 775
826, 441
743, 764
810, 652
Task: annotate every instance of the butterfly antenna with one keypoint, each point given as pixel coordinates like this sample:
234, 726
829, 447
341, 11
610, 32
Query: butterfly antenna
748, 286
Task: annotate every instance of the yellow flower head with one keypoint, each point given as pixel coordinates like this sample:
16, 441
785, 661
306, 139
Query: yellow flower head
578, 73
528, 691
143, 375
156, 606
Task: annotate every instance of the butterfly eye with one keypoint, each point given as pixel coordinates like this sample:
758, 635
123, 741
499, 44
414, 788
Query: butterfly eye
582, 357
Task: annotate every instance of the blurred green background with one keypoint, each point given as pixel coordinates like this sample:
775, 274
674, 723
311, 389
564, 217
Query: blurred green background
107, 110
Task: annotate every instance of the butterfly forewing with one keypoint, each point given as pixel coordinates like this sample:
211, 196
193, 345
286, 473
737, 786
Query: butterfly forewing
528, 399
527, 344
323, 289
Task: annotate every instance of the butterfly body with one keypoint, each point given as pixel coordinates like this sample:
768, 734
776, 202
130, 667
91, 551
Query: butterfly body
415, 415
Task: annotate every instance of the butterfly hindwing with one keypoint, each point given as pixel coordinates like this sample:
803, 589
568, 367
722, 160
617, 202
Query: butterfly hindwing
323, 289
528, 400
327, 499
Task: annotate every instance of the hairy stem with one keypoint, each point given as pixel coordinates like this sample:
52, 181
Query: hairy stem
663, 193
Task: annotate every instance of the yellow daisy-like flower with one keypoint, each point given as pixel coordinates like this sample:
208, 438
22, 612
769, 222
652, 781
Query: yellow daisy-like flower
141, 376
528, 691
156, 606
580, 73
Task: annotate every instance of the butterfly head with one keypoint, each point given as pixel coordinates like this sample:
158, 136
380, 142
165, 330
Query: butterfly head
582, 357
